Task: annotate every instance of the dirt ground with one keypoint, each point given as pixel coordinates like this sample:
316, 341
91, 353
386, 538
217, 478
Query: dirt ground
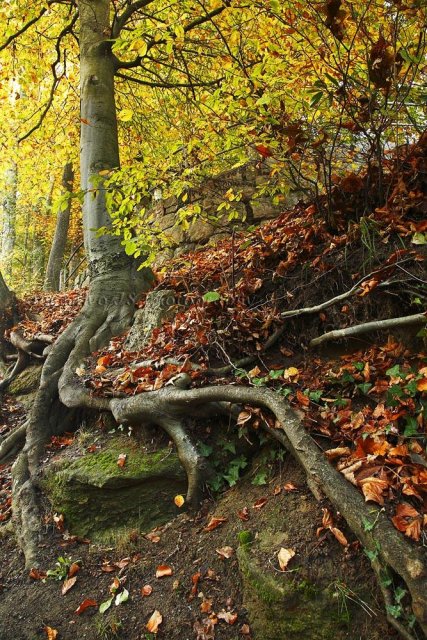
203, 586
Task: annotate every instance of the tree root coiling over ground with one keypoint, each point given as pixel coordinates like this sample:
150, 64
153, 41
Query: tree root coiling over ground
100, 319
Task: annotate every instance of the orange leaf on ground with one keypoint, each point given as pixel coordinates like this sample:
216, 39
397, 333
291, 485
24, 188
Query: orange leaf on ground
51, 633
339, 536
74, 568
373, 488
121, 460
68, 583
206, 606
85, 605
146, 590
153, 537
214, 523
422, 384
289, 486
303, 400
408, 521
284, 556
155, 620
35, 574
260, 503
244, 514
163, 570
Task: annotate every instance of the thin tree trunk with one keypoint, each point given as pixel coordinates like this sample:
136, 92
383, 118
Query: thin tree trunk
9, 212
53, 271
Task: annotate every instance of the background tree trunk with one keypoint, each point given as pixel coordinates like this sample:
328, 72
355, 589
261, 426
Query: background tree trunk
9, 219
53, 271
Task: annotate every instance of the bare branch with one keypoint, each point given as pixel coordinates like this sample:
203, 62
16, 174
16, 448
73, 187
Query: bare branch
127, 14
191, 25
376, 325
167, 85
67, 29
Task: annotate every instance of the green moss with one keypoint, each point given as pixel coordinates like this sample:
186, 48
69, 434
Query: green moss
102, 501
286, 608
26, 382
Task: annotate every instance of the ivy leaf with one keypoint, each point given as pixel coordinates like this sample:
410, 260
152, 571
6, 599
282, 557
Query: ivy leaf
211, 296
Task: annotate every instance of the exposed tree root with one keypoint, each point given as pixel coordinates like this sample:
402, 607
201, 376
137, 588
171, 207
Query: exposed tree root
390, 549
376, 325
102, 318
104, 314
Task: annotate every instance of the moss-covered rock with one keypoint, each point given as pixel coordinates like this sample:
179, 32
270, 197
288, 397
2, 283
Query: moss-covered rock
101, 500
284, 607
26, 382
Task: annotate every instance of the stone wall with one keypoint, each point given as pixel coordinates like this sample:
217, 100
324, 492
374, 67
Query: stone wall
251, 207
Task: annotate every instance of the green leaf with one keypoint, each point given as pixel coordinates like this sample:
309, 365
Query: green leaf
419, 238
260, 478
121, 597
316, 98
364, 387
411, 427
211, 296
130, 247
105, 605
205, 449
394, 372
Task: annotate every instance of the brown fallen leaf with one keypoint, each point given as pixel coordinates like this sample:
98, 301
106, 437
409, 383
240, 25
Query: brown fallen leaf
146, 590
35, 574
245, 630
155, 620
85, 605
74, 568
204, 630
260, 503
225, 552
277, 489
195, 581
228, 616
68, 583
373, 488
51, 633
284, 556
121, 460
58, 519
163, 570
206, 606
214, 523
152, 537
289, 486
244, 514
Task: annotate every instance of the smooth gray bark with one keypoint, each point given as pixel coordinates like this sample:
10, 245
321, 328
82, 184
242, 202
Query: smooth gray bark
53, 271
99, 139
9, 217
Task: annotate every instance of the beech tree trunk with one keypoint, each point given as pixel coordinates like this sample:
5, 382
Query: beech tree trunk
53, 271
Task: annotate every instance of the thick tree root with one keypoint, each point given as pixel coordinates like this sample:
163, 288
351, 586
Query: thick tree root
105, 313
167, 408
376, 325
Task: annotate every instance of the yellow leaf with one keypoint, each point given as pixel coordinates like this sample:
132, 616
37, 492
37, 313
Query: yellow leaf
153, 624
291, 372
125, 115
179, 500
284, 556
